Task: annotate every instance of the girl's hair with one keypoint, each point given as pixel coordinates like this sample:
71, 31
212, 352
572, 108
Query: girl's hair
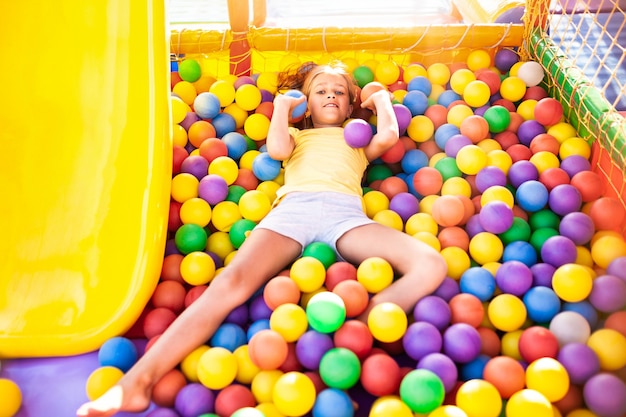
302, 77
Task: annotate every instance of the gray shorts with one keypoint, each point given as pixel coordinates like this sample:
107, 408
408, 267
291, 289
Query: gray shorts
308, 217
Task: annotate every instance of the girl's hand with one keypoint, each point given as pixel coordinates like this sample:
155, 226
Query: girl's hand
376, 99
288, 102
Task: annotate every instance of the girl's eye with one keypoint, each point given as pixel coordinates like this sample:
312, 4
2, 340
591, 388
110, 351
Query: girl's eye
339, 93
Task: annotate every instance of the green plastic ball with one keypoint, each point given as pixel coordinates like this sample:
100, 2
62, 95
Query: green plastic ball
322, 251
189, 70
422, 390
340, 368
234, 193
539, 236
544, 218
190, 238
239, 231
326, 312
498, 118
520, 230
448, 168
363, 75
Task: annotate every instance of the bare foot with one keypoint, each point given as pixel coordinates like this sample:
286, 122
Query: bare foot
125, 396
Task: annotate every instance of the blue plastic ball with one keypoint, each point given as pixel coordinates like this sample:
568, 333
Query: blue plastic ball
447, 97
420, 83
223, 123
228, 336
299, 110
413, 160
119, 352
265, 168
479, 282
520, 251
257, 326
473, 369
532, 195
416, 101
333, 402
236, 144
585, 309
206, 105
444, 133
542, 304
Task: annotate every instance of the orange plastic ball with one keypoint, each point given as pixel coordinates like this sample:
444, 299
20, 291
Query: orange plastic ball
268, 349
280, 290
448, 210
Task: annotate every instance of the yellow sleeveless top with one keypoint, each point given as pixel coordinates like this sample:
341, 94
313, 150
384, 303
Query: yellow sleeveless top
323, 161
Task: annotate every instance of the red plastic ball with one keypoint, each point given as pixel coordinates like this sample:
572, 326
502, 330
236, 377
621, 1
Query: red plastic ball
211, 148
337, 272
380, 375
537, 342
167, 388
427, 181
169, 294
157, 320
506, 374
354, 295
590, 184
355, 336
170, 269
193, 294
607, 213
466, 308
454, 236
548, 111
552, 177
392, 186
232, 398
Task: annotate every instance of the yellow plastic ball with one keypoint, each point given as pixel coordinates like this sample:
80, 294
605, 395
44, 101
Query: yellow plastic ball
605, 249
247, 159
389, 406
225, 167
375, 201
478, 59
269, 410
421, 222
195, 211
528, 402
500, 159
426, 203
476, 93
375, 274
248, 96
246, 369
254, 205
448, 411
471, 159
197, 268
497, 193
240, 115
390, 219
428, 238
256, 126
262, 384
189, 365
420, 128
460, 78
413, 70
479, 398
526, 109
458, 113
294, 394
610, 346
217, 368
289, 320
183, 187
220, 244
387, 322
225, 214
269, 188
11, 398
507, 312
387, 72
547, 376
488, 145
510, 344
101, 380
308, 272
512, 88
457, 259
485, 247
572, 282
438, 73
179, 136
179, 109
224, 90
574, 146
544, 160
186, 91
562, 131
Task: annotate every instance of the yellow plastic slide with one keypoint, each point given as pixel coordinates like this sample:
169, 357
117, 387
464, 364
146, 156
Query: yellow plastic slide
85, 170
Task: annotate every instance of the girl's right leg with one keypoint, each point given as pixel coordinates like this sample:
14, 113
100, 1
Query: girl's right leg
262, 256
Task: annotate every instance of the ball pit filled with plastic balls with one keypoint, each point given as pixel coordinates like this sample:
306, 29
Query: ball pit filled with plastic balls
529, 322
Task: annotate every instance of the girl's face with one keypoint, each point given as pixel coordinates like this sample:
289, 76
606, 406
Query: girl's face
329, 100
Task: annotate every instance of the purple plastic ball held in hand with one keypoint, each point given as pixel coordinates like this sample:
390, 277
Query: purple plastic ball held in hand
357, 133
